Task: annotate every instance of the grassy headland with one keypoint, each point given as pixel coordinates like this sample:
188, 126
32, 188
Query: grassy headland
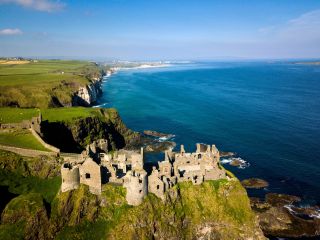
43, 83
220, 208
22, 139
69, 129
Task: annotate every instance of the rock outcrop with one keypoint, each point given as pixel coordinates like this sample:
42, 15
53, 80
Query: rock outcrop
280, 217
75, 135
214, 210
88, 94
218, 209
27, 211
254, 183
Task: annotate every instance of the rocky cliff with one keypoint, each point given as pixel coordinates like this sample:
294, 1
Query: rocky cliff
50, 83
87, 95
74, 135
213, 210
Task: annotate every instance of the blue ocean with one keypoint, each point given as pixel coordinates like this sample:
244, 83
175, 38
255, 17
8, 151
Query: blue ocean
268, 113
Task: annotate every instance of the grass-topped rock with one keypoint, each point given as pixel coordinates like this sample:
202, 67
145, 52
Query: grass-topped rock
25, 217
44, 83
213, 210
217, 209
69, 129
72, 129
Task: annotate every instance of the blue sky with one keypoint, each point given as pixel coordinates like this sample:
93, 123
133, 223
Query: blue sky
160, 29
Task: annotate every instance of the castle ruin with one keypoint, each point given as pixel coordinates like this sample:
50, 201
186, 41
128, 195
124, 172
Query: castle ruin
95, 166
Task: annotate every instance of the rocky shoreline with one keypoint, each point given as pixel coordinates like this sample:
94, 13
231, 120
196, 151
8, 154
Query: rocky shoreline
281, 216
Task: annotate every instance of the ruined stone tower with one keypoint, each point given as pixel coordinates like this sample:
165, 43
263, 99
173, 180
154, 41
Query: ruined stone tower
70, 177
136, 185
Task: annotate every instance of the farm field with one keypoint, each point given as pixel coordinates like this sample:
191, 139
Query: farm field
44, 83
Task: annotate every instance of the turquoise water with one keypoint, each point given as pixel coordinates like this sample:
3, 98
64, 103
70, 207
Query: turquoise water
266, 112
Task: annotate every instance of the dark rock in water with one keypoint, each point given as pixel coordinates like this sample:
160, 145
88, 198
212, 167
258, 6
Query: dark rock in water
157, 147
236, 163
279, 218
151, 144
157, 134
276, 199
254, 183
226, 154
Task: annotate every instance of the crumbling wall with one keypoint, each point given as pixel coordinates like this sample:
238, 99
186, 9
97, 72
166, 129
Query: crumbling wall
90, 174
27, 152
155, 184
136, 185
70, 177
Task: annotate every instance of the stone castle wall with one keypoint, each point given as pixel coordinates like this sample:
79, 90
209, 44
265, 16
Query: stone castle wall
25, 124
46, 145
27, 152
70, 177
137, 187
177, 167
90, 174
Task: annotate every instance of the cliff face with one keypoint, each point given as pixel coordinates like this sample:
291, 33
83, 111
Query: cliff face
213, 210
27, 217
50, 83
87, 95
75, 135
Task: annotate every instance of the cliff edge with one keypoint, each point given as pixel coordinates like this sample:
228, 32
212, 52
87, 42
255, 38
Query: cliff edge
213, 210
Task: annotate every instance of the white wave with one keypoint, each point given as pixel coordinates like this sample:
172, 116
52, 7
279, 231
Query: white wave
316, 213
226, 160
166, 138
242, 163
100, 105
289, 207
145, 66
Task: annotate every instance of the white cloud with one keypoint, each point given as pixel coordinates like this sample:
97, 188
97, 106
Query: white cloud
304, 28
40, 5
10, 31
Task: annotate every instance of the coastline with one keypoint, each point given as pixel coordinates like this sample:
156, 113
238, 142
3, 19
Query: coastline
271, 207
238, 165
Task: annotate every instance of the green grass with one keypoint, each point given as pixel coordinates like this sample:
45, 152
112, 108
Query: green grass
12, 231
17, 115
22, 139
42, 71
19, 184
109, 215
85, 230
26, 174
34, 84
67, 114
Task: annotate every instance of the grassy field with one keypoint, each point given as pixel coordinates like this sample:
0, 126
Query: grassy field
68, 114
35, 84
22, 139
17, 115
